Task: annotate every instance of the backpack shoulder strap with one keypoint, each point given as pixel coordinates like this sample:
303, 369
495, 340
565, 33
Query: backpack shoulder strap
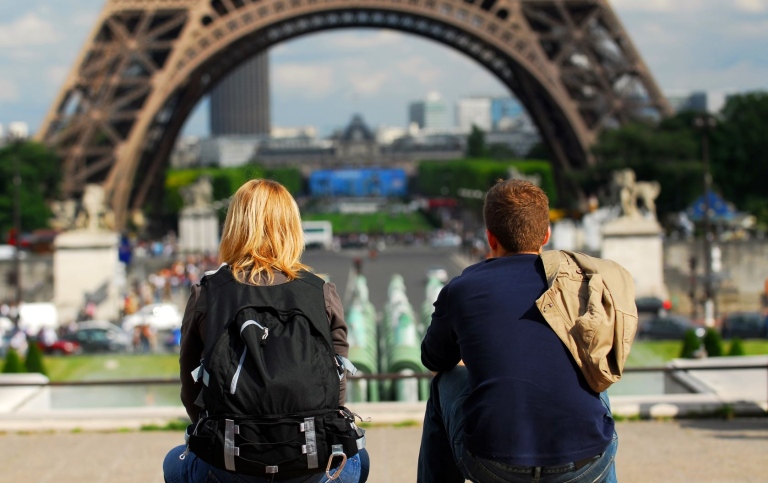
311, 278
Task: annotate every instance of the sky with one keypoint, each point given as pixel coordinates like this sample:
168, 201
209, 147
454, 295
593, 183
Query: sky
323, 79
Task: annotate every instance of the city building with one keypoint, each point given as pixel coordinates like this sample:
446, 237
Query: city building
240, 102
430, 114
505, 113
386, 135
688, 101
229, 151
357, 143
186, 152
473, 111
309, 132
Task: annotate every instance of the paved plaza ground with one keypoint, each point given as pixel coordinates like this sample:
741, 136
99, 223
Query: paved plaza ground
672, 451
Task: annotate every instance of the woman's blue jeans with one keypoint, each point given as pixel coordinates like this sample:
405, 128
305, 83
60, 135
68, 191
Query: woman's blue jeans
192, 469
444, 459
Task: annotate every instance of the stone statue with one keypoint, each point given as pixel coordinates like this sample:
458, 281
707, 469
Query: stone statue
138, 220
630, 191
199, 194
94, 213
64, 214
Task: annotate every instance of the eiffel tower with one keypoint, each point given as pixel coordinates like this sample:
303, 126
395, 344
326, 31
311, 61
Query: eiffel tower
147, 63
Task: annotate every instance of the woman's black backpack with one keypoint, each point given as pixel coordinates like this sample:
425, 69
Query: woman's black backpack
271, 382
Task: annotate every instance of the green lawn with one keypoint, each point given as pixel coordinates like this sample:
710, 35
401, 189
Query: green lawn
129, 366
381, 222
112, 366
652, 353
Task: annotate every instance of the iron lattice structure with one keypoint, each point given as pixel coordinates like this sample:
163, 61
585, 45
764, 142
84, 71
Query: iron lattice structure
148, 62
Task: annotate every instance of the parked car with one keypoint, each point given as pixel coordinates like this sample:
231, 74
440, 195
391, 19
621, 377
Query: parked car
100, 336
671, 327
59, 347
747, 325
652, 305
160, 317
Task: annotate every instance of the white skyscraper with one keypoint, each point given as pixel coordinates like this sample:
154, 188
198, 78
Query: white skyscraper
474, 111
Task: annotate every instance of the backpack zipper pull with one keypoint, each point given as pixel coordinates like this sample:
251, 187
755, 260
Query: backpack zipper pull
263, 341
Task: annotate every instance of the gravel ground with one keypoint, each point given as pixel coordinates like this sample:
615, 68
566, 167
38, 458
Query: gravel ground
675, 451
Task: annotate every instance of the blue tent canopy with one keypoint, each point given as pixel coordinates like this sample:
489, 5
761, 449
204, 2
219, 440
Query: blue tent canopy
719, 209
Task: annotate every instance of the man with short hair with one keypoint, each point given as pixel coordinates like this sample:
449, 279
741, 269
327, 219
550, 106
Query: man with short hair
536, 340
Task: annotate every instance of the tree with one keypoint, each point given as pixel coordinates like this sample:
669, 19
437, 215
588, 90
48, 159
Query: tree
40, 171
476, 143
34, 360
691, 344
740, 153
737, 348
13, 363
668, 152
713, 343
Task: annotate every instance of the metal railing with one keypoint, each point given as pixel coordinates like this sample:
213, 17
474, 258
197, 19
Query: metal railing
370, 377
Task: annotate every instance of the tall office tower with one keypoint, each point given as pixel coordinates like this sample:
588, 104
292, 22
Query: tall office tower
505, 113
698, 101
430, 113
240, 102
473, 111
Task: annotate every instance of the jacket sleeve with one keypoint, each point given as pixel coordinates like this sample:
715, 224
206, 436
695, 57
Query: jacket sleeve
191, 349
440, 347
335, 312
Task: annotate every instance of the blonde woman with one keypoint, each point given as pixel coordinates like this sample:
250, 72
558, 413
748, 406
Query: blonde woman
261, 271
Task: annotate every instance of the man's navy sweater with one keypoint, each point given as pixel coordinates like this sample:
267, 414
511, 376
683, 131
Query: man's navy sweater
528, 404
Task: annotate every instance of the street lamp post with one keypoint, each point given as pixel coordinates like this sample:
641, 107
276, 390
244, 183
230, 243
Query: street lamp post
705, 123
17, 132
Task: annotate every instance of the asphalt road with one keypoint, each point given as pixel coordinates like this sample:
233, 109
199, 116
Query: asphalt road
411, 263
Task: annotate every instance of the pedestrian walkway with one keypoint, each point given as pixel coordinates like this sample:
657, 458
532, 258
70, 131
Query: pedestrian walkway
703, 451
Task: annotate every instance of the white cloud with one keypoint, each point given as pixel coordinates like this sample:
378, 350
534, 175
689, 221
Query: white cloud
27, 31
368, 82
304, 80
8, 91
357, 40
421, 68
659, 5
752, 5
739, 76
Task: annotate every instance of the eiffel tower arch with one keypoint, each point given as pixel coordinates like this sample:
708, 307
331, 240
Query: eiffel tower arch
147, 63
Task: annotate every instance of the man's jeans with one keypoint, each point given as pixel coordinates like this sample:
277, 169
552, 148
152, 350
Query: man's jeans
192, 469
444, 459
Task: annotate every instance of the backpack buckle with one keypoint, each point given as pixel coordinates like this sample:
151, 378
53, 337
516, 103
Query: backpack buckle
337, 451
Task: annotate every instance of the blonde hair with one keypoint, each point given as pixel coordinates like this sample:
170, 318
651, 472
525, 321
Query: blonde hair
262, 232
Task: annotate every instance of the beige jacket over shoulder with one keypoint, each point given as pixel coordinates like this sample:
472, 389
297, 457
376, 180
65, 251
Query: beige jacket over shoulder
590, 304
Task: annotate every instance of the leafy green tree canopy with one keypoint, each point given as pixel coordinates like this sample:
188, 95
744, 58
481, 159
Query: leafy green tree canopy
34, 360
476, 147
671, 153
40, 172
740, 153
667, 152
13, 364
225, 181
448, 178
